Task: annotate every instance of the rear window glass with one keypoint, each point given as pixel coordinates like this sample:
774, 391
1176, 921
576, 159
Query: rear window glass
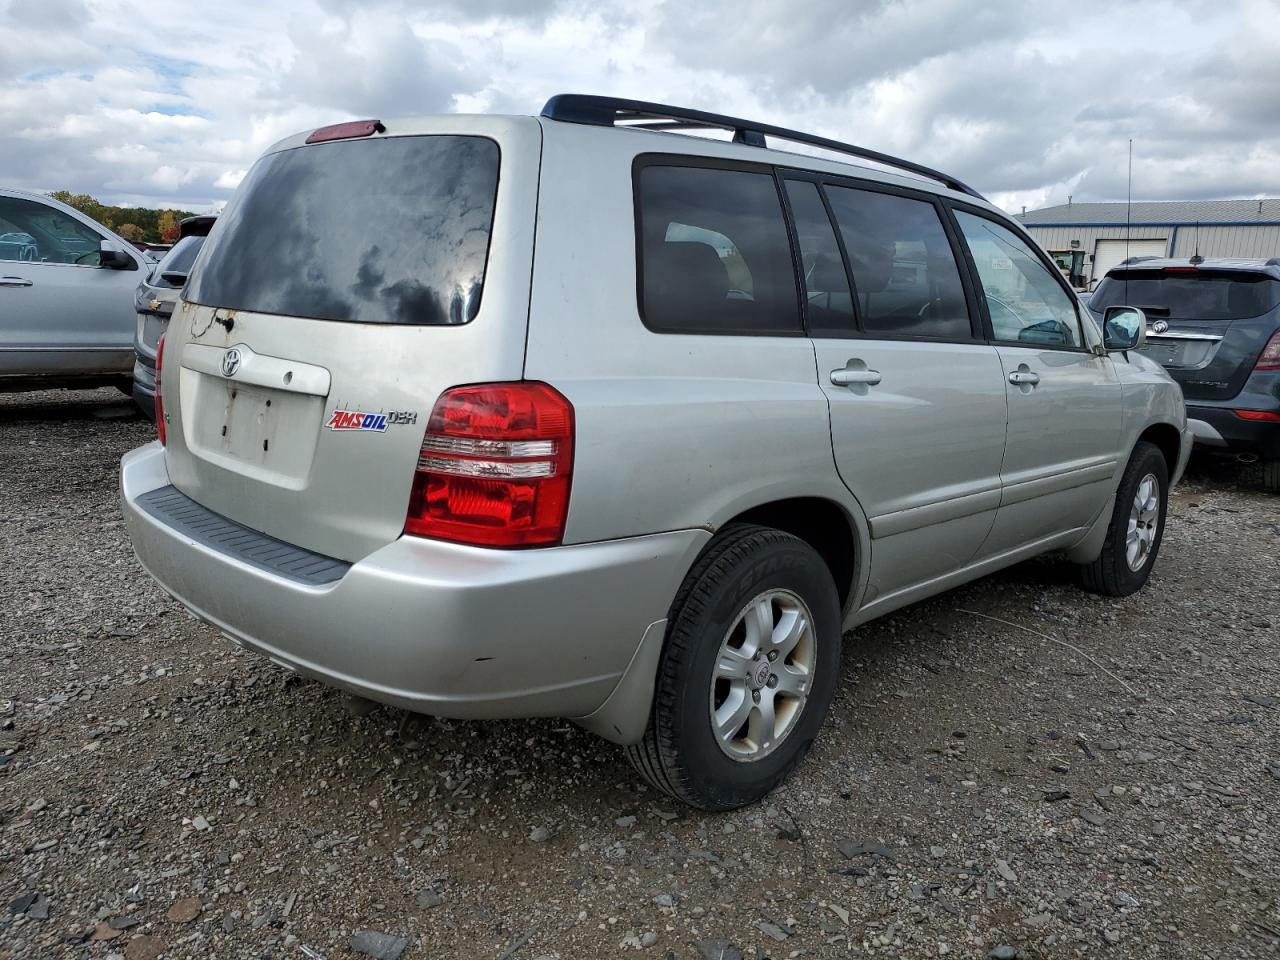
389, 230
181, 255
715, 257
1204, 295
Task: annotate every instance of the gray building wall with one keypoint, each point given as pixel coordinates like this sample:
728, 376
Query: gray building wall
1230, 241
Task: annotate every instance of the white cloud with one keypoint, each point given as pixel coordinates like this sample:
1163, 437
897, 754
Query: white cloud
1026, 107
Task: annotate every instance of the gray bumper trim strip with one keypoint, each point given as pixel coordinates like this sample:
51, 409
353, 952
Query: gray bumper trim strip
178, 511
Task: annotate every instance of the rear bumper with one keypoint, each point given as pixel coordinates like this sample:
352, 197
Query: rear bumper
433, 627
1219, 429
144, 388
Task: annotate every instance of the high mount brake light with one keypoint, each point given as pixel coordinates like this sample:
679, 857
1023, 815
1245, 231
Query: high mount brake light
346, 131
1269, 359
495, 467
160, 424
1179, 270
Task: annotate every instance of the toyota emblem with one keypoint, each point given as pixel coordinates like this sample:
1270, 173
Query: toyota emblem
230, 362
1160, 326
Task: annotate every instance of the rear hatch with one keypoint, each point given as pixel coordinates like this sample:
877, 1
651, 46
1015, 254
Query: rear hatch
160, 291
1205, 325
346, 285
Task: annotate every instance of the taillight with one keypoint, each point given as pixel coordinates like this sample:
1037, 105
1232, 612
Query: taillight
495, 467
1269, 359
1264, 416
160, 425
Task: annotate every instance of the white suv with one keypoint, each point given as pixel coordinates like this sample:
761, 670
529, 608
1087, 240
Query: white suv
571, 416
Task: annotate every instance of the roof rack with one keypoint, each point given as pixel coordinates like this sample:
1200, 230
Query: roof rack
607, 111
1125, 263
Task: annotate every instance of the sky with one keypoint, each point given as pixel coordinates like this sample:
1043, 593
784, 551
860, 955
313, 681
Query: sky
168, 104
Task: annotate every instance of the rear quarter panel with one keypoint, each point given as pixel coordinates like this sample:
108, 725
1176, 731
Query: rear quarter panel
673, 431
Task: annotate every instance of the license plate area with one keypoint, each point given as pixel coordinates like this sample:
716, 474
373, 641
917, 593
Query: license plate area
263, 433
1180, 353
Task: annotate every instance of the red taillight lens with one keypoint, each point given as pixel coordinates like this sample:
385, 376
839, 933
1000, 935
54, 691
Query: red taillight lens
1179, 269
1258, 415
1269, 359
160, 424
495, 468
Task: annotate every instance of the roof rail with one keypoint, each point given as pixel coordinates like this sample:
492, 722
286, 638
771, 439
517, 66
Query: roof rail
1125, 263
1274, 262
606, 111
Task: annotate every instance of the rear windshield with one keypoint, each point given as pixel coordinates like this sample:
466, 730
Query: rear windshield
1204, 295
389, 230
181, 255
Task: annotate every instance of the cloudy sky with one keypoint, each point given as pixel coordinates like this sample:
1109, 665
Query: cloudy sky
167, 104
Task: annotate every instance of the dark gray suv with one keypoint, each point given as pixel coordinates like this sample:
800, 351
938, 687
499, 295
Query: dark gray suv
1215, 326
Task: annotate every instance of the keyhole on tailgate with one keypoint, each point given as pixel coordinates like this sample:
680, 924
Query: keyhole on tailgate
224, 429
264, 445
268, 403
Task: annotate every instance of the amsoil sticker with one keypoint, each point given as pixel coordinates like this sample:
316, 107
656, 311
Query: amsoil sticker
356, 420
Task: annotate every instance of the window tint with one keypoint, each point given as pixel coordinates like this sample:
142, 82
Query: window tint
904, 273
826, 285
715, 257
181, 255
1026, 302
388, 230
36, 233
1202, 295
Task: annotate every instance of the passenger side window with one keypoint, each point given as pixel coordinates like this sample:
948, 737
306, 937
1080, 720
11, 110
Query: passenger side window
1026, 303
33, 232
826, 285
714, 253
904, 273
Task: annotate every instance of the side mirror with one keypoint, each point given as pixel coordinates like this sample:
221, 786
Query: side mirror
1124, 328
113, 258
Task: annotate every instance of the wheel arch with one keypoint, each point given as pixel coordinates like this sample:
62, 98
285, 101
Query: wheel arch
1168, 439
825, 525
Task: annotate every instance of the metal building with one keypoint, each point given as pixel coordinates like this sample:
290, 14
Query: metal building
1088, 239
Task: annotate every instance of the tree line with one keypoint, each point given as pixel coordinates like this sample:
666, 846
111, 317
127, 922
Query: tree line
137, 224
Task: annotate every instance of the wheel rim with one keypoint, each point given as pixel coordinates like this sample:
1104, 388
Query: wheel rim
763, 675
1144, 517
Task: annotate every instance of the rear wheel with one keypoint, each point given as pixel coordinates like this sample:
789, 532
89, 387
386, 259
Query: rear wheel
1137, 527
747, 671
1271, 476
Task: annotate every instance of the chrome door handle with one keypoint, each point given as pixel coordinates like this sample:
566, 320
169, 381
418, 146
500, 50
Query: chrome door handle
844, 377
1024, 376
14, 282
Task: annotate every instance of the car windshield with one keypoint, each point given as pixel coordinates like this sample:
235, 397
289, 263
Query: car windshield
1203, 295
388, 230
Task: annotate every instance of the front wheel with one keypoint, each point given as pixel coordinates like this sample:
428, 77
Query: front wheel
747, 671
1137, 527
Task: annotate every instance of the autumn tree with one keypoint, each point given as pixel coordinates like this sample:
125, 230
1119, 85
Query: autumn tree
167, 225
131, 232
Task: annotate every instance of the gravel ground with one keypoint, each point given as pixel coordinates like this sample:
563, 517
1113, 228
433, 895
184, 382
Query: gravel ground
1078, 777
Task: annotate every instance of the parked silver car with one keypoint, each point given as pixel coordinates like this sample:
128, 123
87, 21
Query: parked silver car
645, 472
66, 297
155, 299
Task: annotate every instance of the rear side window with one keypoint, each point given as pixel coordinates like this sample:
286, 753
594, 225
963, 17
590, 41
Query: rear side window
388, 230
1027, 304
904, 273
1199, 295
714, 253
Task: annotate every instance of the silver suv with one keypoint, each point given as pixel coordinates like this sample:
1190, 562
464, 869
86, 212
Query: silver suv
571, 416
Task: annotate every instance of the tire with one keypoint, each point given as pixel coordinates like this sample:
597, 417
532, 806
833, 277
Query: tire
1112, 574
1271, 476
745, 568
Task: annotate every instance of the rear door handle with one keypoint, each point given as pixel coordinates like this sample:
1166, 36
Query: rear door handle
14, 282
1024, 376
845, 377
